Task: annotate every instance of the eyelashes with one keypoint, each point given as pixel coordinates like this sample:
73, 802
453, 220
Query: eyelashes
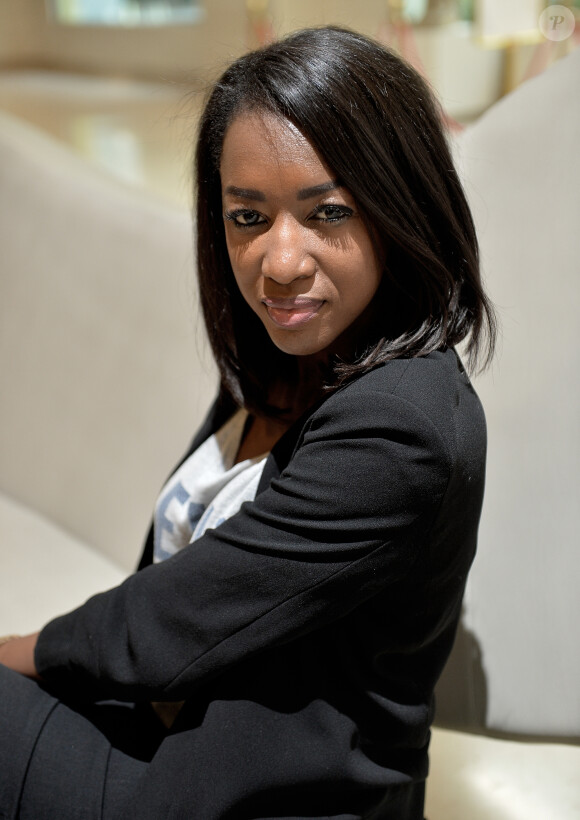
331, 213
244, 218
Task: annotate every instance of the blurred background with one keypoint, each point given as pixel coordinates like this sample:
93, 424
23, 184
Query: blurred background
121, 81
105, 373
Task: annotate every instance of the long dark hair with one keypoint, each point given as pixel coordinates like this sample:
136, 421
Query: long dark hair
375, 124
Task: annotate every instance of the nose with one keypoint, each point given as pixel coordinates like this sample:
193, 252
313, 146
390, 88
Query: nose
286, 254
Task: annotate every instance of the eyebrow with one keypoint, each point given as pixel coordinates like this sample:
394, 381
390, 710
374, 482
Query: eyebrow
303, 193
316, 190
245, 193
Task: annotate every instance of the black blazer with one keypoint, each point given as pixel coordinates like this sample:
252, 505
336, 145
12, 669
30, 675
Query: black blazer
307, 632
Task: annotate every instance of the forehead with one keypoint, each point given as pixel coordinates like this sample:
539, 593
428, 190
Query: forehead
262, 143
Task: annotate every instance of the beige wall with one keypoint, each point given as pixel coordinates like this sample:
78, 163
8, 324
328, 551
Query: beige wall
467, 78
170, 52
21, 30
27, 38
366, 15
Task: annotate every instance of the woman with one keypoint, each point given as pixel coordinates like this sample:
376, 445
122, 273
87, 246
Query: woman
301, 586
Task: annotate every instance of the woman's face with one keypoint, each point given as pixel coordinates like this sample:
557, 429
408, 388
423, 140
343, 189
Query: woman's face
301, 255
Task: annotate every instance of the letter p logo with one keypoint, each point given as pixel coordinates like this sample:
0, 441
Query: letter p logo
557, 23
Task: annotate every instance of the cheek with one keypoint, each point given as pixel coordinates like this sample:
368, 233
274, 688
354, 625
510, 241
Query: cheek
361, 280
246, 283
244, 255
239, 265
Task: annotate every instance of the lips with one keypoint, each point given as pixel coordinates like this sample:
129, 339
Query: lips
287, 313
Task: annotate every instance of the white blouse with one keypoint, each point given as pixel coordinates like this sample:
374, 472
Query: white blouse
205, 490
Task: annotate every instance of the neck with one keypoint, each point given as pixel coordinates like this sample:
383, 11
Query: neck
294, 397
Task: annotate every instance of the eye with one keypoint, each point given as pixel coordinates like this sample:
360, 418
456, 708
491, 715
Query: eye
331, 213
245, 218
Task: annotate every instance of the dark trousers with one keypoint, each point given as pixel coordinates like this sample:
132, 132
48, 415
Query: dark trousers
68, 761
63, 761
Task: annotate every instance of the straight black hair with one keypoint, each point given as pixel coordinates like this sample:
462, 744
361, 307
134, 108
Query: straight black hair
375, 124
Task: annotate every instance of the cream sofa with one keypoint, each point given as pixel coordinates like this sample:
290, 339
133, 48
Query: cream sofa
514, 677
105, 376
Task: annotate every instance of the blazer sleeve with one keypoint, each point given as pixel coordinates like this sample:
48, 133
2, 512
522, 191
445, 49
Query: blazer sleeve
344, 520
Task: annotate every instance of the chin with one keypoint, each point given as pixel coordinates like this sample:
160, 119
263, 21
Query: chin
298, 350
296, 343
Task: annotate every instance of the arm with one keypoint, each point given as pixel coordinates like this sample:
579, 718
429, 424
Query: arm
345, 519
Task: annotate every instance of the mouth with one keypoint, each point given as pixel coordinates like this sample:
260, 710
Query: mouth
288, 313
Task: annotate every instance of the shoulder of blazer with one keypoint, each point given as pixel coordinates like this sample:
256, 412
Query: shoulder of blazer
435, 385
432, 383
